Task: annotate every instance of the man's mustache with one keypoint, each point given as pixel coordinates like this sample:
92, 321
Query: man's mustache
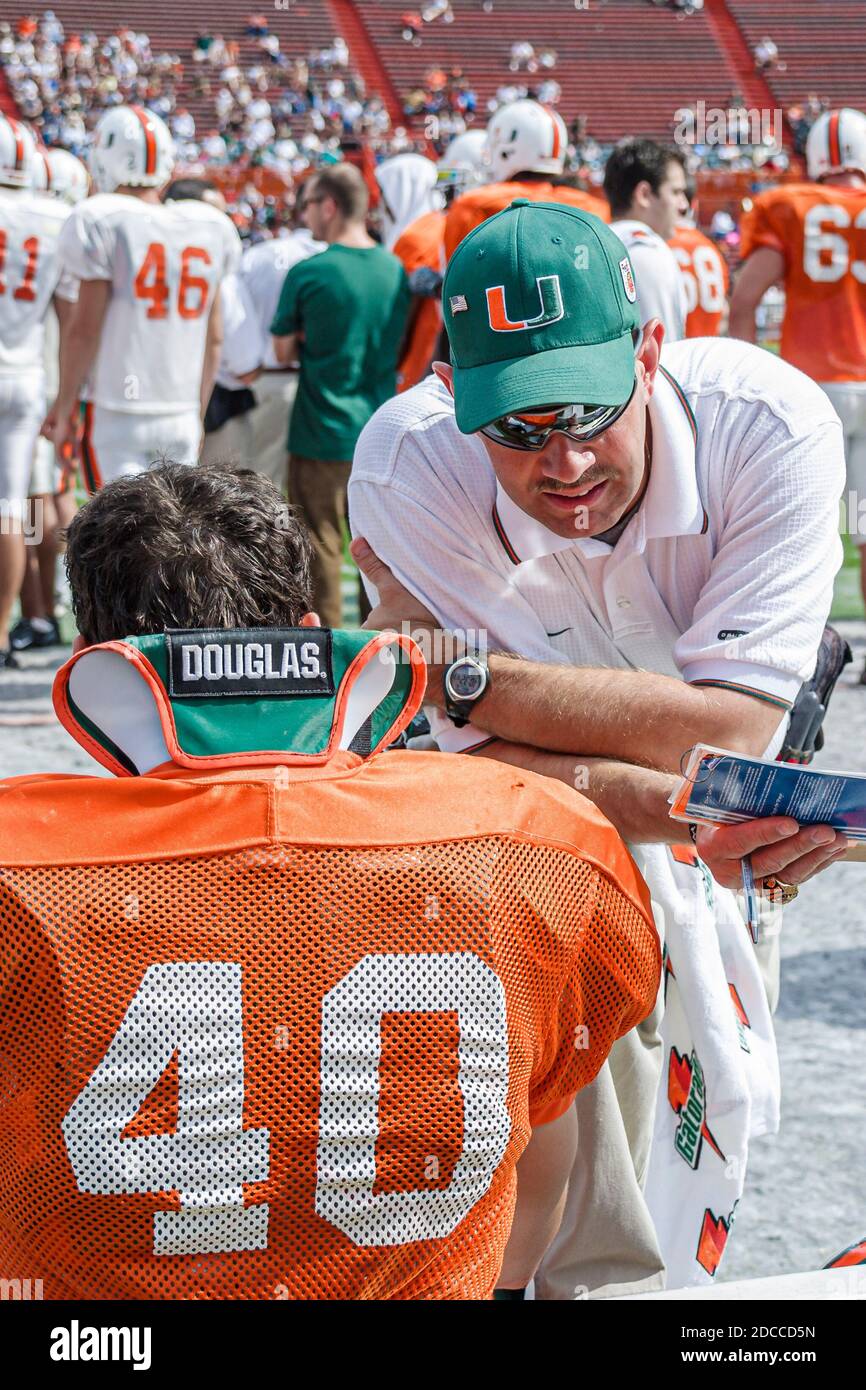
589, 480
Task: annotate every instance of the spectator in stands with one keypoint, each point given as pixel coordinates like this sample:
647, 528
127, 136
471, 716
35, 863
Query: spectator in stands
438, 9
51, 27
766, 55
522, 56
548, 92
343, 313
412, 25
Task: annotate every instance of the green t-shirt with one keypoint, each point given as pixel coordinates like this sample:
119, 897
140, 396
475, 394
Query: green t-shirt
350, 304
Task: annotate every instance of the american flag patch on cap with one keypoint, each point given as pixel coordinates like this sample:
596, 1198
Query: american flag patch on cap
458, 303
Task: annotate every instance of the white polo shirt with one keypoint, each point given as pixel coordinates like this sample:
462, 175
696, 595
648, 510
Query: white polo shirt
661, 293
723, 577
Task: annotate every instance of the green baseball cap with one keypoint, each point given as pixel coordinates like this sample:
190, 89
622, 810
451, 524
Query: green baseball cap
540, 307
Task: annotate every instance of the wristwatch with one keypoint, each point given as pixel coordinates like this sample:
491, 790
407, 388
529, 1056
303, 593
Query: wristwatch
466, 680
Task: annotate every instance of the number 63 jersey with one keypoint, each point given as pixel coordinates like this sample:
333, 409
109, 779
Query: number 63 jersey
165, 262
284, 1032
821, 232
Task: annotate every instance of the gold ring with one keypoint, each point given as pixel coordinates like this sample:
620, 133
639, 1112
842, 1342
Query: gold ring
777, 891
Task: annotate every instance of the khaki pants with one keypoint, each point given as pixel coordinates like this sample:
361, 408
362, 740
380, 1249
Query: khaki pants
231, 443
607, 1243
318, 489
275, 395
258, 438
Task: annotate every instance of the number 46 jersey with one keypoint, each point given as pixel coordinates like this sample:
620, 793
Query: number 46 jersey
165, 262
284, 1032
821, 232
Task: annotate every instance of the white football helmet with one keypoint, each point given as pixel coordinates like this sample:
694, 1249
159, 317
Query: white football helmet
69, 177
463, 165
17, 153
525, 135
41, 180
836, 143
132, 146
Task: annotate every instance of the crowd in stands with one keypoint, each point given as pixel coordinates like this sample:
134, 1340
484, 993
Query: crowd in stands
684, 6
290, 112
277, 109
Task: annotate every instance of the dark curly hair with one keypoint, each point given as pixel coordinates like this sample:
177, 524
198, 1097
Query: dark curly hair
187, 547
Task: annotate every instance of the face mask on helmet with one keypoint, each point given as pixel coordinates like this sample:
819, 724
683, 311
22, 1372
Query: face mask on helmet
464, 164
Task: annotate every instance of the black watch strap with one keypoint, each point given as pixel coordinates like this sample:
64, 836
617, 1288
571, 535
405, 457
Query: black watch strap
460, 711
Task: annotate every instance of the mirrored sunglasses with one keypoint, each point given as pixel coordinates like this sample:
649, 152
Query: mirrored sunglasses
532, 429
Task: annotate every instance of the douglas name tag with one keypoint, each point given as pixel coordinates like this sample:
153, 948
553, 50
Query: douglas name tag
288, 661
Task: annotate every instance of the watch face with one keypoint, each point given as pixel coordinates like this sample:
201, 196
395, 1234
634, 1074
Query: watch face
465, 681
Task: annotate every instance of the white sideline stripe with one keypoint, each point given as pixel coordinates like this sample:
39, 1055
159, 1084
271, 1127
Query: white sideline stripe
18, 721
847, 1283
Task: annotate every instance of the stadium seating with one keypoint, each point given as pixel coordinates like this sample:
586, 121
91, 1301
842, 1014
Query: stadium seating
624, 64
822, 47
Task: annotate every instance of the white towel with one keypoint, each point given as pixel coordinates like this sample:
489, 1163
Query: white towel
719, 1085
408, 184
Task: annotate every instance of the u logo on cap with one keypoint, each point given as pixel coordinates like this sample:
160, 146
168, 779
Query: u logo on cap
550, 298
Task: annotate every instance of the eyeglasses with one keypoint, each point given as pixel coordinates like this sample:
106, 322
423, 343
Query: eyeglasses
532, 429
305, 202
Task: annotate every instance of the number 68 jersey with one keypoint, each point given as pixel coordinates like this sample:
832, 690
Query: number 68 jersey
284, 1032
165, 262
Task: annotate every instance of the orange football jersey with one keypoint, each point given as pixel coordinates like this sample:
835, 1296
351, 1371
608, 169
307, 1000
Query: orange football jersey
474, 207
821, 232
421, 245
282, 1032
706, 279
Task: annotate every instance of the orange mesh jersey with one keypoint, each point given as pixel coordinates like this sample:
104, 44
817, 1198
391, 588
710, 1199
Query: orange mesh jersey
474, 207
421, 245
282, 1032
821, 232
706, 279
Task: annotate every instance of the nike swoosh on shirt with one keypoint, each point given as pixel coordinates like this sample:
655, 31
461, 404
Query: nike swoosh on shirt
560, 632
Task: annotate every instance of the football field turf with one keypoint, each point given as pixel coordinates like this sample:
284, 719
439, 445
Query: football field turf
847, 600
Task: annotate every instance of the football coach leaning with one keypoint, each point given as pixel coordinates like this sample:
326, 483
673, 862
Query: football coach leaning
653, 536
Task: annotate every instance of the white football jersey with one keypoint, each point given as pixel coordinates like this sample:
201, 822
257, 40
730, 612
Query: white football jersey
242, 341
30, 273
660, 290
264, 268
165, 263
